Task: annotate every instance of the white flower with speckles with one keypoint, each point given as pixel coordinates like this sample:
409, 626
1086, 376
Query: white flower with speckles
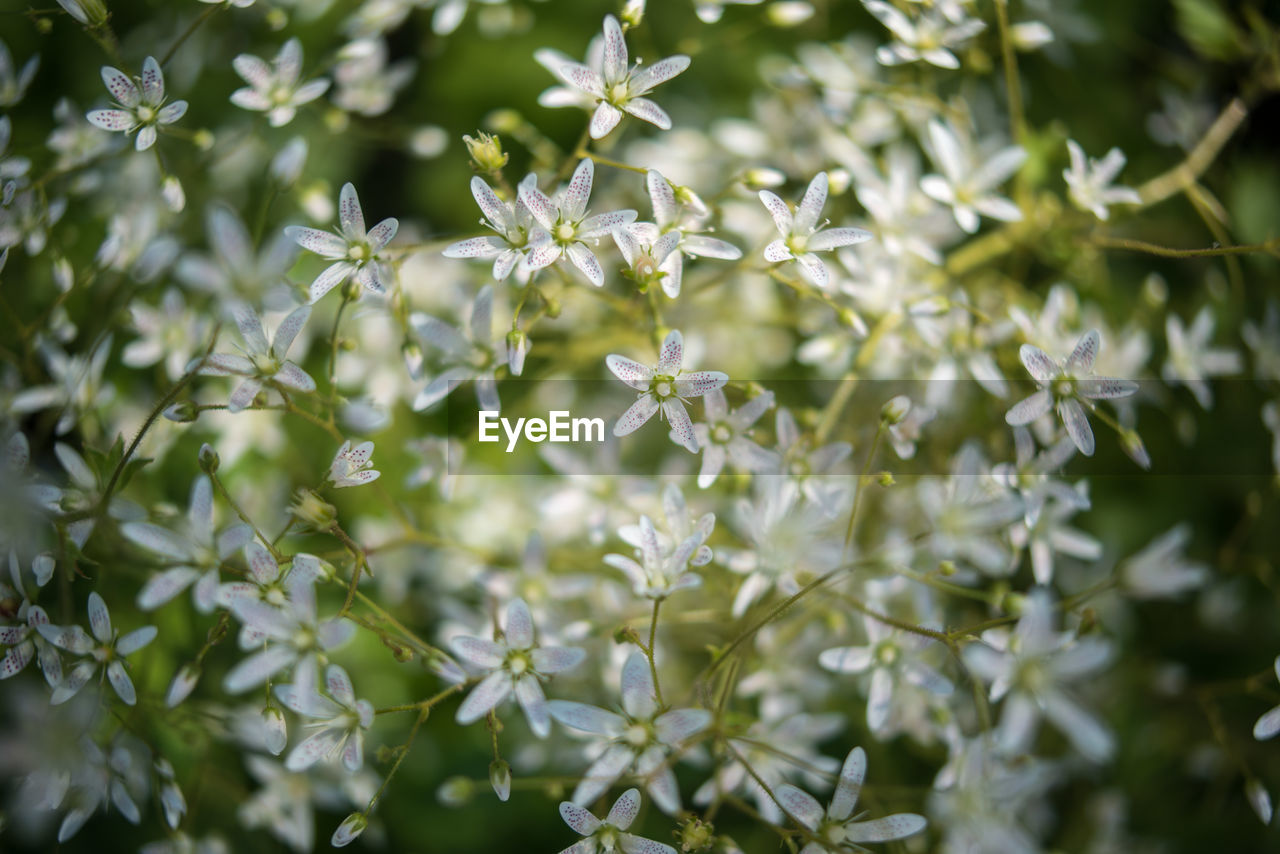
610, 835
835, 828
337, 718
665, 386
139, 104
617, 88
354, 251
518, 234
514, 665
105, 649
1066, 385
642, 737
351, 465
803, 235
565, 220
262, 363
274, 89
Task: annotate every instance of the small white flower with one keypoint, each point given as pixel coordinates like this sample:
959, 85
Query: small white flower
1065, 385
338, 721
836, 826
967, 185
616, 87
802, 235
565, 220
274, 89
472, 354
140, 104
929, 37
516, 664
642, 737
353, 251
664, 561
517, 232
351, 466
106, 649
1192, 360
726, 437
665, 386
1089, 181
262, 363
610, 835
1161, 570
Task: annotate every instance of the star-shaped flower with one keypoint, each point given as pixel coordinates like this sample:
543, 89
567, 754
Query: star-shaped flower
835, 826
516, 664
337, 718
1089, 181
610, 835
642, 736
967, 185
1065, 386
354, 251
617, 88
351, 466
518, 234
274, 88
139, 104
802, 236
262, 363
665, 386
106, 649
566, 221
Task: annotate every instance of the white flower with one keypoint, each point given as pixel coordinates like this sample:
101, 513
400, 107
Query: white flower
470, 355
516, 664
681, 214
664, 561
192, 559
1066, 385
14, 83
1269, 724
1192, 360
642, 736
806, 465
802, 235
836, 827
1090, 182
139, 109
929, 37
366, 85
967, 185
1029, 669
610, 835
263, 363
616, 88
351, 465
517, 232
285, 631
726, 437
106, 650
354, 251
274, 89
565, 220
1161, 570
664, 386
338, 722
889, 655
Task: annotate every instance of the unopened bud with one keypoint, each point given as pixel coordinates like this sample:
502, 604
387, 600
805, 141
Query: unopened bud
172, 193
517, 349
486, 152
854, 321
789, 13
208, 459
91, 13
1132, 445
762, 178
947, 567
696, 835
633, 13
500, 779
63, 275
456, 792
895, 410
204, 139
182, 412
885, 478
313, 510
274, 730
352, 826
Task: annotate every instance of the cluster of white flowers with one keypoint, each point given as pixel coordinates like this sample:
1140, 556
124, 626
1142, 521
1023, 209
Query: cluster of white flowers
844, 548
